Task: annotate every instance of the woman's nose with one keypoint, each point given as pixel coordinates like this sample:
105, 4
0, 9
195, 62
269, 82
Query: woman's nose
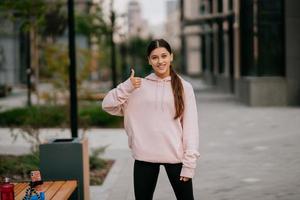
160, 60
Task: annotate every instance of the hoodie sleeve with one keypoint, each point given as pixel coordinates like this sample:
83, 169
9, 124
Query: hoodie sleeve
190, 134
115, 99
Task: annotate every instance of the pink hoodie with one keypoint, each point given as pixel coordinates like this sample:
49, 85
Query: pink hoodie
153, 134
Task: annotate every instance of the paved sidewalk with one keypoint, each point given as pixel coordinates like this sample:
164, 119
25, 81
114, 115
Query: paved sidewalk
246, 153
17, 98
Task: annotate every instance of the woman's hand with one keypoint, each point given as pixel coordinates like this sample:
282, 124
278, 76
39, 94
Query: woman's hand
182, 178
136, 81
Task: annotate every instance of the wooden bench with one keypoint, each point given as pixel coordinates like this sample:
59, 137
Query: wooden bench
54, 190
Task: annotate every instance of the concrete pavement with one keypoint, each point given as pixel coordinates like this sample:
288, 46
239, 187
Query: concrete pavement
246, 153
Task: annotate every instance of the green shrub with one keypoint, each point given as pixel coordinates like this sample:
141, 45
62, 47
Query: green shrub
18, 165
13, 117
90, 115
35, 116
46, 116
95, 161
93, 115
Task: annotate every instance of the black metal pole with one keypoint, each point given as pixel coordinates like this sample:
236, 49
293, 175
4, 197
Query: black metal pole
182, 50
113, 51
28, 68
231, 53
72, 70
123, 52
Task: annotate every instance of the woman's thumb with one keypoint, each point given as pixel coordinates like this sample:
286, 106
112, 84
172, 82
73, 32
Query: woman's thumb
132, 73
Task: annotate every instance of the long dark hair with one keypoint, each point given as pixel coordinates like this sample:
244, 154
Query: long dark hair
175, 80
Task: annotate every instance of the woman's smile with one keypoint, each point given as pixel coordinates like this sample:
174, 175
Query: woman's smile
161, 67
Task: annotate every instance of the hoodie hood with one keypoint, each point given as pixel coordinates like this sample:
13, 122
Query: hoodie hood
154, 77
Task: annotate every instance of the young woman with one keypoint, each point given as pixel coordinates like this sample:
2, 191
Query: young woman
161, 121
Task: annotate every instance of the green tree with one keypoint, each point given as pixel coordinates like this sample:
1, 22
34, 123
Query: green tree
55, 22
57, 61
30, 14
97, 29
93, 24
36, 17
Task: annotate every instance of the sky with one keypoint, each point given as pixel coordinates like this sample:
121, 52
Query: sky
154, 11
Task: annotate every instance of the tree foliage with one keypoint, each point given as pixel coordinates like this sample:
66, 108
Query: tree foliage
28, 12
57, 61
56, 20
92, 24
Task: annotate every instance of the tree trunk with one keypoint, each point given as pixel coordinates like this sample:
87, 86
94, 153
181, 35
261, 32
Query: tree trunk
35, 59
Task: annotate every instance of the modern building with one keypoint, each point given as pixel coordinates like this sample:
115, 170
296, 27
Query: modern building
172, 26
137, 26
246, 47
12, 53
16, 52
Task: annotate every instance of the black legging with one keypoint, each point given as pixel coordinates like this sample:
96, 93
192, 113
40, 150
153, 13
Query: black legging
145, 178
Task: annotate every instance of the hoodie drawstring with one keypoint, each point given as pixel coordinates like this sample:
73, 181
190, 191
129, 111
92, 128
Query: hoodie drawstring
162, 96
156, 88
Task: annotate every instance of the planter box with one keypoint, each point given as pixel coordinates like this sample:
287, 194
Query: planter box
67, 159
262, 91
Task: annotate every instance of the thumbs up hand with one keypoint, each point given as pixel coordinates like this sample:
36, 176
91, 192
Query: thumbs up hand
136, 81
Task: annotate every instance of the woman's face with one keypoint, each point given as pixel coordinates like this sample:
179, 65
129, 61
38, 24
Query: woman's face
160, 60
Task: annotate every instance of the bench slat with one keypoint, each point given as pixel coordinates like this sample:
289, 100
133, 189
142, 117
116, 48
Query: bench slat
19, 187
65, 191
44, 187
57, 190
52, 190
21, 193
